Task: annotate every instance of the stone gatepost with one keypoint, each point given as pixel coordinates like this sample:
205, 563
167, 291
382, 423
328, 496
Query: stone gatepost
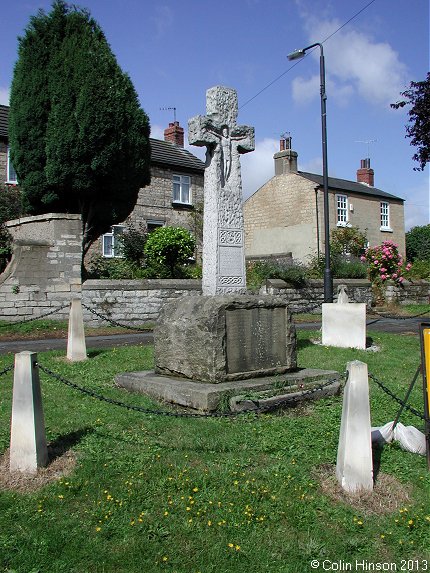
45, 270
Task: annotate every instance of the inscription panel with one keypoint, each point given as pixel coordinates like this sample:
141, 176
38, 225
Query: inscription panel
256, 339
231, 261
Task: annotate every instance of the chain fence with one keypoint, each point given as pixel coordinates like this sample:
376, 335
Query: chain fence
265, 408
33, 318
111, 321
400, 401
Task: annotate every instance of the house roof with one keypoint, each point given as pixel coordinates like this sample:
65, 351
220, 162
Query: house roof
162, 152
346, 185
4, 114
167, 153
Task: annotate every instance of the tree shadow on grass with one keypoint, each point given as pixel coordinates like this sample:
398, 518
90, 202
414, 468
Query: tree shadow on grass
62, 444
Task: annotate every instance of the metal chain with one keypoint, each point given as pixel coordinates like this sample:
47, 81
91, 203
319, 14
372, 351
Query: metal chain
111, 321
396, 398
261, 409
25, 320
7, 369
382, 315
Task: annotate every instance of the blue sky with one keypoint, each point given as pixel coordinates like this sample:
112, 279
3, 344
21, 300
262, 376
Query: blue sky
174, 50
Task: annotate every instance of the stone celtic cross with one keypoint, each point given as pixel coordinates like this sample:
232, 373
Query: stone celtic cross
223, 230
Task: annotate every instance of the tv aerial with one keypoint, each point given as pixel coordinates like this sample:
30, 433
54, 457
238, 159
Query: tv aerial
168, 109
368, 142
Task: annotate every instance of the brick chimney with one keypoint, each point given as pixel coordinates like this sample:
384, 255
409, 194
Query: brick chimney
365, 174
286, 158
174, 133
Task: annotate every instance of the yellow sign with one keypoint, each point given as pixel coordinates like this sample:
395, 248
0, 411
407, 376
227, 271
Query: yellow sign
426, 346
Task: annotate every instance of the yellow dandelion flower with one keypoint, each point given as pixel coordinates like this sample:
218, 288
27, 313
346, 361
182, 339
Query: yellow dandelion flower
195, 489
237, 547
98, 528
209, 523
165, 558
231, 544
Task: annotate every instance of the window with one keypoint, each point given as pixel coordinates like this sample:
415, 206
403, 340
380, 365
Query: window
152, 224
11, 173
385, 216
112, 242
342, 210
182, 189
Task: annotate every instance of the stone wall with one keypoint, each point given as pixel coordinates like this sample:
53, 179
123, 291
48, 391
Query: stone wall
45, 270
134, 301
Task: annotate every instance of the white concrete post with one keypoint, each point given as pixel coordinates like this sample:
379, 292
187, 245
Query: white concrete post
28, 449
354, 468
76, 347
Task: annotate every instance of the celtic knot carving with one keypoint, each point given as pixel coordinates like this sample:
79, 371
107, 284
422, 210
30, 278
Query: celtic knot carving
230, 237
230, 280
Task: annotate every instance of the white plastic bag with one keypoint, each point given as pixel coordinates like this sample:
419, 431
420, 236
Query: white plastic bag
409, 438
384, 434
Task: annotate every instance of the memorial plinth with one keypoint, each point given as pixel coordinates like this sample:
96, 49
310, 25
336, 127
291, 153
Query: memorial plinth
217, 339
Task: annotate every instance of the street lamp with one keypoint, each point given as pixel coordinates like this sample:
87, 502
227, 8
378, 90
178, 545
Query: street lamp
328, 279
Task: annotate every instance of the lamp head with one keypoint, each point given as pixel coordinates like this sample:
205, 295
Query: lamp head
296, 55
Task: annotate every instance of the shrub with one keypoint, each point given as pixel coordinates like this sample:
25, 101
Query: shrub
292, 273
342, 267
419, 270
167, 250
133, 244
385, 263
347, 241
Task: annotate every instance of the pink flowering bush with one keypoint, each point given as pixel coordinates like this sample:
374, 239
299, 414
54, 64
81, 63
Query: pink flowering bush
385, 263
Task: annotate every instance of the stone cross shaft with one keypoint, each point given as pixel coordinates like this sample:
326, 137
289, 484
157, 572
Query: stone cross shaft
223, 230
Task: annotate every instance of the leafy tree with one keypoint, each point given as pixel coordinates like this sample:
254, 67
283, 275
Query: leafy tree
79, 139
418, 97
167, 249
418, 243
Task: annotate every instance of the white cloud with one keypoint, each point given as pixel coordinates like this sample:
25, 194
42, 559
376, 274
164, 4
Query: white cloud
305, 90
4, 96
157, 132
355, 63
258, 166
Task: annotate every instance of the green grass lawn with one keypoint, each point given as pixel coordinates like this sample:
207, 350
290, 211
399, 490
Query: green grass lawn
246, 494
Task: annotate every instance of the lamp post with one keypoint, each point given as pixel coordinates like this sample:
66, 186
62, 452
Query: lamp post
328, 279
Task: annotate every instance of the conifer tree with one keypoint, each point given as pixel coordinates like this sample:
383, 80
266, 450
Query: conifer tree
79, 138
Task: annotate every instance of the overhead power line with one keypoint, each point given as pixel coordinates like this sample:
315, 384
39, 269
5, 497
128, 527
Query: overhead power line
299, 61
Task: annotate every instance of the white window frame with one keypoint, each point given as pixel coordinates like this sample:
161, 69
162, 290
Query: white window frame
342, 210
181, 181
384, 211
155, 223
115, 230
11, 176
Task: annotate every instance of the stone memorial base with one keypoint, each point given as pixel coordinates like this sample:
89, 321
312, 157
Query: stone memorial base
212, 348
217, 339
208, 397
344, 325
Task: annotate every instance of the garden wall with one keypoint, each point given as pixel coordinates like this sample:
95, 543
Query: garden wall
45, 274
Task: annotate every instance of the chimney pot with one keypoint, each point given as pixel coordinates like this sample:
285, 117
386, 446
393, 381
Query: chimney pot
365, 174
174, 133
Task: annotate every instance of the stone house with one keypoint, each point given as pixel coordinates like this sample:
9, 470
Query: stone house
174, 197
286, 215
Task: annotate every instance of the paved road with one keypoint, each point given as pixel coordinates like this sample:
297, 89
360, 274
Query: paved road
61, 343
410, 325
380, 324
